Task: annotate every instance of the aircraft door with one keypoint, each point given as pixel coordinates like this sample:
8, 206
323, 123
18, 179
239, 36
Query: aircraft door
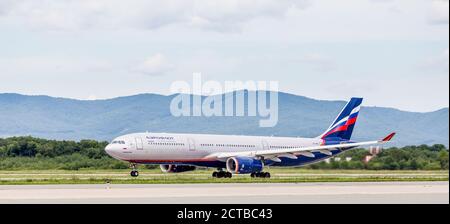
139, 144
191, 144
265, 145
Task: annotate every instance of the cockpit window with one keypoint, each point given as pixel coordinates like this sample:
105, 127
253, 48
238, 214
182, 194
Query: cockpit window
118, 142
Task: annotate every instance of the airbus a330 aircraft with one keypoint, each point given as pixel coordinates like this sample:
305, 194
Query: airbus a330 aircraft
238, 154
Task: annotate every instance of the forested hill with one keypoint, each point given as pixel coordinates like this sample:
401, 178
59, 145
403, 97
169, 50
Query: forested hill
60, 118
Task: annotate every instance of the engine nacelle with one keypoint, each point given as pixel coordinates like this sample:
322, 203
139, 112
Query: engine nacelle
243, 165
176, 168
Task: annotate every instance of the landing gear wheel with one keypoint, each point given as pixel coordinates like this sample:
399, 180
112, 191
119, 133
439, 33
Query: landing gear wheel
260, 175
222, 174
134, 173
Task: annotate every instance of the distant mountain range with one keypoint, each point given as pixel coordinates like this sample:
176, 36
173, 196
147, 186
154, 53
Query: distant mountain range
60, 118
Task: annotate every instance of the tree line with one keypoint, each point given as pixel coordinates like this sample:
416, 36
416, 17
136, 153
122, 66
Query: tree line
20, 153
422, 157
34, 153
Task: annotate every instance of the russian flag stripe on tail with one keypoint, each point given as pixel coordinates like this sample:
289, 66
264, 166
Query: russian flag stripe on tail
343, 125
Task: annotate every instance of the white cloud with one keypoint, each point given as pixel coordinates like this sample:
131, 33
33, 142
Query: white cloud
154, 65
439, 62
51, 65
105, 43
439, 12
382, 1
141, 14
319, 62
5, 6
228, 15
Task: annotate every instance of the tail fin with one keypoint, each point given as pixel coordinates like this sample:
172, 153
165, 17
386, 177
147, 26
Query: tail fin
343, 125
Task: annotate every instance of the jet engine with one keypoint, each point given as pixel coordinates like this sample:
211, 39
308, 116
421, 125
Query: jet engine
244, 165
176, 168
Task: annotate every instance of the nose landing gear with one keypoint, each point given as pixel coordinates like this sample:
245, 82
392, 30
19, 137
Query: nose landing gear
134, 172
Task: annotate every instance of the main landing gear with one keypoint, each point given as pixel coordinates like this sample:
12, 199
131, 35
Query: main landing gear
134, 172
222, 174
260, 175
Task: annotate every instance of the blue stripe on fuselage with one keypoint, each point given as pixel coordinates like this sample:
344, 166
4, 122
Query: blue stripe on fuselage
285, 162
303, 160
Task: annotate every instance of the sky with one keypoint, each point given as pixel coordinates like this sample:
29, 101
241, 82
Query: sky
394, 53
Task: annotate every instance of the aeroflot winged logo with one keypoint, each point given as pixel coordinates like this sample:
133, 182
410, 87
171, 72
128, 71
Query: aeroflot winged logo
207, 99
343, 126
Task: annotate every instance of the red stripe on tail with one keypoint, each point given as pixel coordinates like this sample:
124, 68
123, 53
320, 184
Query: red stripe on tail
389, 137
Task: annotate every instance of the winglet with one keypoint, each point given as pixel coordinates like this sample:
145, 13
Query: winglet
389, 137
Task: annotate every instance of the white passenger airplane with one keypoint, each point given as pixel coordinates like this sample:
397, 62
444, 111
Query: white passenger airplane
237, 154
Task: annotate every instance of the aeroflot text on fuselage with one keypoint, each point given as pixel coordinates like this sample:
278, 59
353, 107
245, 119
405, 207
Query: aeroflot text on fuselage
176, 153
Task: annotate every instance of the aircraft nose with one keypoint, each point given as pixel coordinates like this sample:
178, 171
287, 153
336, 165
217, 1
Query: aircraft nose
113, 150
109, 149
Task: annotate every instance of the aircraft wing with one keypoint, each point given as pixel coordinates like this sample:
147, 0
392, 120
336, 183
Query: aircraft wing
294, 152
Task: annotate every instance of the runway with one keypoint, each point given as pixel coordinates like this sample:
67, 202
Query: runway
300, 193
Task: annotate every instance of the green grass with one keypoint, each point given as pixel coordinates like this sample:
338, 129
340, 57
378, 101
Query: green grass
279, 175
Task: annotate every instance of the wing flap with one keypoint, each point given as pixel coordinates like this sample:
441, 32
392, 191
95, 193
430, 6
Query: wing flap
326, 152
288, 155
307, 154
